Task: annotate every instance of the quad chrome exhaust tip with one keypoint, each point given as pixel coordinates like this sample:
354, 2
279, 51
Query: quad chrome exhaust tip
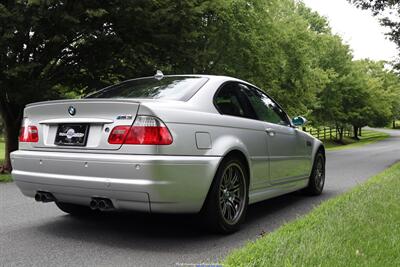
44, 197
94, 204
101, 204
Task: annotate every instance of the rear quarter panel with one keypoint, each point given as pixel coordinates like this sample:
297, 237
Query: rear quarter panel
227, 133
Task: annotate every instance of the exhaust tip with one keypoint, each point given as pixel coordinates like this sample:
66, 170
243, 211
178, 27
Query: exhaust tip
94, 204
102, 205
38, 197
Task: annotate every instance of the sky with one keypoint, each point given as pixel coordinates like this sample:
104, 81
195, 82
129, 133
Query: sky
358, 28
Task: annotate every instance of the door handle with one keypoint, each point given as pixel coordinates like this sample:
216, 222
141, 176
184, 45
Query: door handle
270, 131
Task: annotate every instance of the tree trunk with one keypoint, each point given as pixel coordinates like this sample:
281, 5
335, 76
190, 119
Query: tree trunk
11, 114
340, 131
360, 131
394, 124
11, 139
355, 132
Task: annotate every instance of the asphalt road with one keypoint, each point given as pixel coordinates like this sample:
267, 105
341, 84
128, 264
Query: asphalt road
34, 234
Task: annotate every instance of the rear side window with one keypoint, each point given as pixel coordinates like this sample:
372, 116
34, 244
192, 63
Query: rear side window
229, 100
173, 88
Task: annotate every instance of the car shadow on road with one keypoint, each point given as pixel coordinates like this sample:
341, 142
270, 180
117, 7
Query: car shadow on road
166, 232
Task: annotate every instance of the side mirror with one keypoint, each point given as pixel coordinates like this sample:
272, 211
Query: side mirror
299, 121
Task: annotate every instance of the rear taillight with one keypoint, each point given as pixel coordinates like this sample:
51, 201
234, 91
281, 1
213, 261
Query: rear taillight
29, 134
145, 130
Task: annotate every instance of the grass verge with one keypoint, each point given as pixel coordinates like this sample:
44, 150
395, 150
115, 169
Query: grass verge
358, 228
368, 137
3, 177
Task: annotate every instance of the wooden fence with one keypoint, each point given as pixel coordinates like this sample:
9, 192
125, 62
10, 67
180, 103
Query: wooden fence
327, 133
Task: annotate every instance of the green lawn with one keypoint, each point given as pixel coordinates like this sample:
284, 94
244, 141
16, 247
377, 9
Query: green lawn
3, 177
368, 137
358, 228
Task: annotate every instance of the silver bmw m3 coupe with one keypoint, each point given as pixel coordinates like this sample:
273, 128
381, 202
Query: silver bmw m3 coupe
171, 144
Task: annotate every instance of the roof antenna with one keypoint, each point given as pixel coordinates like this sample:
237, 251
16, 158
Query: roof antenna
159, 75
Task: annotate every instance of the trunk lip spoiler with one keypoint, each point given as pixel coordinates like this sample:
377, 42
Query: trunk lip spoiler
77, 120
85, 100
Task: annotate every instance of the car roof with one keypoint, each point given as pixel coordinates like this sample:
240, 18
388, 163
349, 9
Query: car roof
221, 78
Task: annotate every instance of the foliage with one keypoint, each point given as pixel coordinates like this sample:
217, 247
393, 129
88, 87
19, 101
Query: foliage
364, 94
377, 5
388, 12
335, 59
358, 228
45, 44
5, 178
51, 49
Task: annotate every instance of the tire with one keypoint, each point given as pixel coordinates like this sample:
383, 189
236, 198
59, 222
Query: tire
226, 204
74, 209
317, 179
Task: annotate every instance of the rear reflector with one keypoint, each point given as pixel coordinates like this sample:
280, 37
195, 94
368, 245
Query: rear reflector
118, 135
29, 134
145, 130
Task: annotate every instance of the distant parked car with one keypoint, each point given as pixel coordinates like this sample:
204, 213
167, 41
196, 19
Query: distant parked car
171, 144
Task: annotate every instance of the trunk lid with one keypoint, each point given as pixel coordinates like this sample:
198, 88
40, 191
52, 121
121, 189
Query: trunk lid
83, 124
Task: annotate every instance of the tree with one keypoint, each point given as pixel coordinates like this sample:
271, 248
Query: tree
50, 47
335, 60
54, 46
388, 12
386, 94
376, 6
356, 104
44, 44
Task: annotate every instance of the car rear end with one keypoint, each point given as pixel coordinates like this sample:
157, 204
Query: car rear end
80, 151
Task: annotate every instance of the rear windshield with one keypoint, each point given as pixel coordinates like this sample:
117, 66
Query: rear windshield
174, 88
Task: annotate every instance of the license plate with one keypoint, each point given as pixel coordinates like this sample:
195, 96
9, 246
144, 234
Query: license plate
72, 134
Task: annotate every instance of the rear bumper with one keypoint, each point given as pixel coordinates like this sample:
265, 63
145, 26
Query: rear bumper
137, 182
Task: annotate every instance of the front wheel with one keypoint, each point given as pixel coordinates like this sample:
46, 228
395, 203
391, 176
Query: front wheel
226, 204
317, 178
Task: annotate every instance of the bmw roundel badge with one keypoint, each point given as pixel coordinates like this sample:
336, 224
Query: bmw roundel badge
72, 111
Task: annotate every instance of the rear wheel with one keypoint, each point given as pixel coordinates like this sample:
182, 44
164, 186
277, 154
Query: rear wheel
74, 209
317, 178
226, 204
